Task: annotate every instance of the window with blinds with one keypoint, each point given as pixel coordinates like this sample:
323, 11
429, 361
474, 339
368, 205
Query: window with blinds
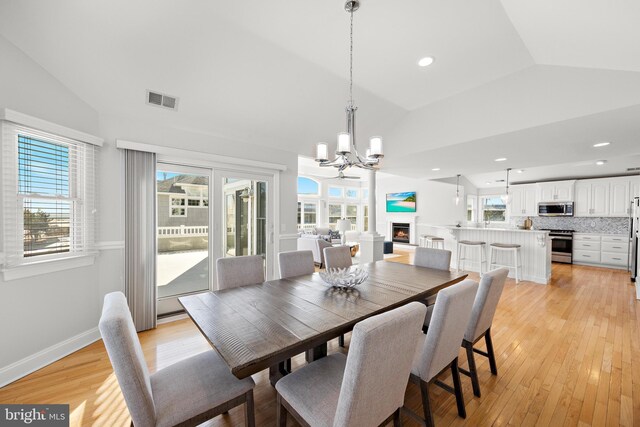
48, 194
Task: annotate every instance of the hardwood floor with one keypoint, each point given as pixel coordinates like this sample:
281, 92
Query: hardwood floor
567, 353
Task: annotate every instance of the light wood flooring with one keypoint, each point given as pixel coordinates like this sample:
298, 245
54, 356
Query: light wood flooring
567, 353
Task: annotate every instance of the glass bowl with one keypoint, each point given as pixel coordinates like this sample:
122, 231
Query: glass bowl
344, 278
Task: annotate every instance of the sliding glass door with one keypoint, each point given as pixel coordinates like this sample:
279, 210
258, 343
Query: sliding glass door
246, 223
204, 215
183, 218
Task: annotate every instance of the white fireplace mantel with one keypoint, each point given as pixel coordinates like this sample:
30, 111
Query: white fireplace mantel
407, 219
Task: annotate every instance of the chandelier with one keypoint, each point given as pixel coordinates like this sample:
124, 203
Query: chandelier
346, 154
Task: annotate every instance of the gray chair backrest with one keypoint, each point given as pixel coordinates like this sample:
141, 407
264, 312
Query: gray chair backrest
238, 271
439, 259
484, 307
451, 314
337, 257
374, 384
295, 263
123, 347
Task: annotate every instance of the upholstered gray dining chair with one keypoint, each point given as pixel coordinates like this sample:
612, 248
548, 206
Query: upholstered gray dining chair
484, 308
337, 257
365, 388
438, 349
438, 259
295, 263
238, 271
186, 393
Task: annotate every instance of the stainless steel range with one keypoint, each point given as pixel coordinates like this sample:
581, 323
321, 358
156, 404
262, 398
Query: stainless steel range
561, 246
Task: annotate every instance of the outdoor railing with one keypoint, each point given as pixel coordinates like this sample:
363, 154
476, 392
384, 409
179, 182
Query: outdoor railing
354, 227
184, 231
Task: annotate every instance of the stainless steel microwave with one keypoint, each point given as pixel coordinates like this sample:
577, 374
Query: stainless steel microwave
555, 209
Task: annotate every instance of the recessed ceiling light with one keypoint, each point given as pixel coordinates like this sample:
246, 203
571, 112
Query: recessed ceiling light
435, 169
520, 171
501, 159
488, 183
426, 61
601, 144
601, 162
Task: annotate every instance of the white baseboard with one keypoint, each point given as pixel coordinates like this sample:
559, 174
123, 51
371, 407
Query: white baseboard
29, 364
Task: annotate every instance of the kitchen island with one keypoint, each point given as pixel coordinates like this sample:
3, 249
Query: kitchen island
535, 248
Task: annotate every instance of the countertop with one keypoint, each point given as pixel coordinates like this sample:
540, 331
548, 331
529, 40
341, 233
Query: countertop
514, 230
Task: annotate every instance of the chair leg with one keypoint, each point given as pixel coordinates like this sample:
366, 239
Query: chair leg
491, 261
426, 407
249, 412
492, 357
281, 413
458, 257
341, 341
457, 387
397, 420
473, 372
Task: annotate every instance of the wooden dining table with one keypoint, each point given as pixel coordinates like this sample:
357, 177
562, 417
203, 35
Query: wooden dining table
260, 326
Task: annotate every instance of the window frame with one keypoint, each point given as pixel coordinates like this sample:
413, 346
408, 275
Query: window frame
83, 160
330, 196
473, 200
481, 209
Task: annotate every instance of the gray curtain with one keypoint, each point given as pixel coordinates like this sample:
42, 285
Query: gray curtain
140, 237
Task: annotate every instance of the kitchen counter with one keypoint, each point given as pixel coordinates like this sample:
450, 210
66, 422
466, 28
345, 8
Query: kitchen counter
517, 230
535, 248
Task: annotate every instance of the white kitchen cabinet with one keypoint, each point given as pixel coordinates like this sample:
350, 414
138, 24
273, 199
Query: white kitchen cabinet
523, 200
556, 191
600, 198
564, 191
635, 187
592, 198
620, 197
582, 204
607, 250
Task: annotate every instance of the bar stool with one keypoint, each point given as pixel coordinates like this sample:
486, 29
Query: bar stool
427, 241
482, 255
512, 248
435, 242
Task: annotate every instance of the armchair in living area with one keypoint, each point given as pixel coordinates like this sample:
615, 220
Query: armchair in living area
316, 245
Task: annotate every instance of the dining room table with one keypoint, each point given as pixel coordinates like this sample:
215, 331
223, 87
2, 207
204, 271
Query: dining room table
260, 326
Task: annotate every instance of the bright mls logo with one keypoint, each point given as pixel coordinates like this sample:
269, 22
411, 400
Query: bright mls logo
34, 415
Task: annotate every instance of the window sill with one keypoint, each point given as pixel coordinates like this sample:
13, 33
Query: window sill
39, 268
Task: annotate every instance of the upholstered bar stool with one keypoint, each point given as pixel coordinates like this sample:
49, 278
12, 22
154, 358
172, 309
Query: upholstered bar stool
435, 242
474, 248
512, 248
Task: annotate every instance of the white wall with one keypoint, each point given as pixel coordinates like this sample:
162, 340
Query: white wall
44, 317
435, 202
39, 312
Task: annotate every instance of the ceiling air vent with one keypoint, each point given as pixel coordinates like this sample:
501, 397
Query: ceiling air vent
633, 169
161, 100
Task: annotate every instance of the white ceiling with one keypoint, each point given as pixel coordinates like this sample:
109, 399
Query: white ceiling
533, 81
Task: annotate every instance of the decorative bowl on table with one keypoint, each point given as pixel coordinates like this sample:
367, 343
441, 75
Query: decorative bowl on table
344, 278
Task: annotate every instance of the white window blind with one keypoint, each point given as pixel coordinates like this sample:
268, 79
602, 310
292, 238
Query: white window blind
49, 203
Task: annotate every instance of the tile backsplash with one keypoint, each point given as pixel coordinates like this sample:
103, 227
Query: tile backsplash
581, 225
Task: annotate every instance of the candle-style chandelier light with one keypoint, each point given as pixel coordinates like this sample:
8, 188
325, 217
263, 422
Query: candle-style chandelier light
346, 154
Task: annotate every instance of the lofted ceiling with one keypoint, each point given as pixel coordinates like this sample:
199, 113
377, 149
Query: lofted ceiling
536, 82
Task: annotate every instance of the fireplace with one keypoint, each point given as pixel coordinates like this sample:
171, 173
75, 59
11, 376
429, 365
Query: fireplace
401, 232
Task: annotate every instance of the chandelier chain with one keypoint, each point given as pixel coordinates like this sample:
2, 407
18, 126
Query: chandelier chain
351, 60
